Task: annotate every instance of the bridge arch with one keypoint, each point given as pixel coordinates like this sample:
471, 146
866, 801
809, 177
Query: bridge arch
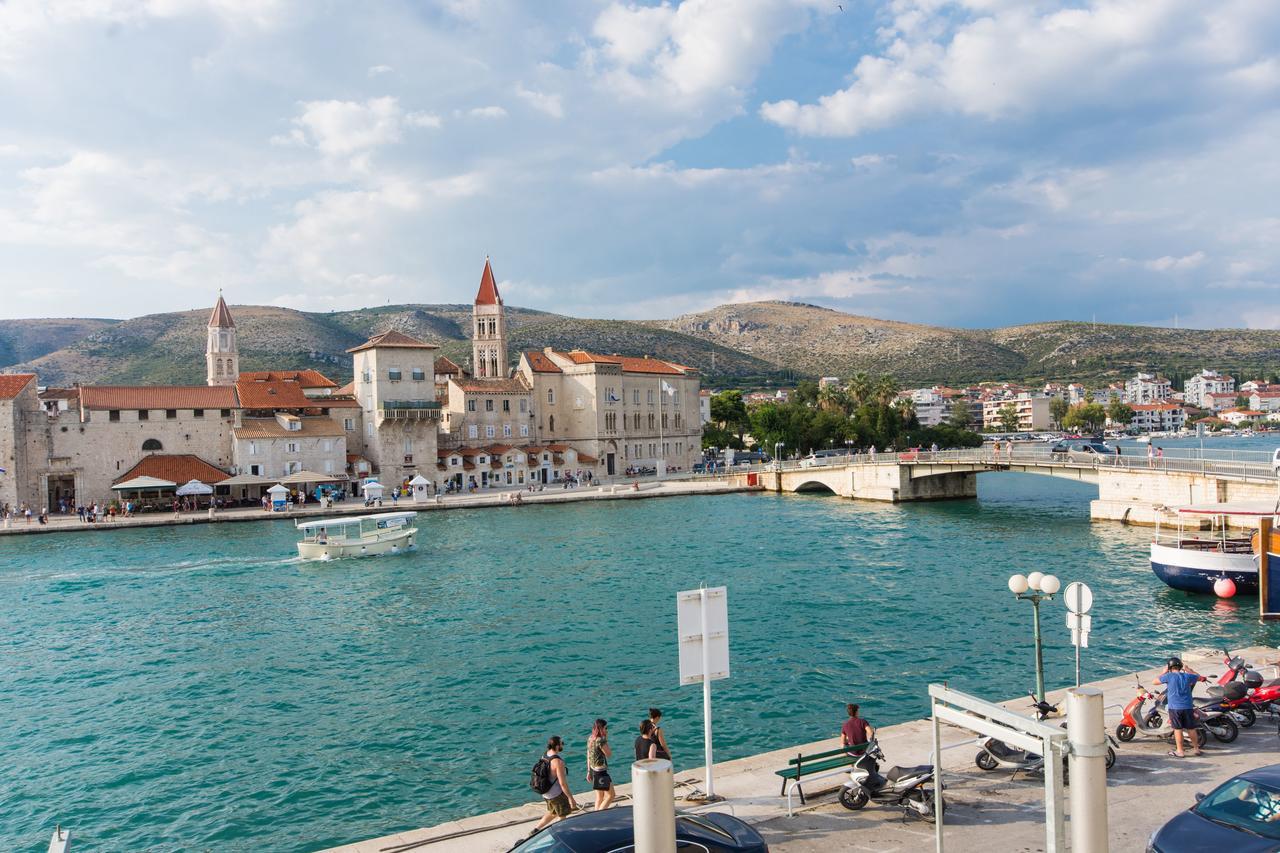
814, 486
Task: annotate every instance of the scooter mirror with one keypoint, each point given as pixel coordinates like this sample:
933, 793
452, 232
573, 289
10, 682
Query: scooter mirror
1199, 796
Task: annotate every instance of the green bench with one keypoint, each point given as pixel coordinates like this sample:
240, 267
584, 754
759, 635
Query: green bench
818, 763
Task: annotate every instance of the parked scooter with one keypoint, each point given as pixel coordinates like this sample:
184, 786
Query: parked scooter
1143, 716
995, 754
901, 786
1260, 697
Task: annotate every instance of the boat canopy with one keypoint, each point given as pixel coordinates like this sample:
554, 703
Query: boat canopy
1261, 508
354, 519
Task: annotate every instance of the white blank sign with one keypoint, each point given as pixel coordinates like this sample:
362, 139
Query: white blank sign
690, 633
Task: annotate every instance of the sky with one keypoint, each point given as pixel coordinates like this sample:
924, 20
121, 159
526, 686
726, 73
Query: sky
973, 163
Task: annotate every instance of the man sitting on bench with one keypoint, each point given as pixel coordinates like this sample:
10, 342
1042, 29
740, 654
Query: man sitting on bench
855, 731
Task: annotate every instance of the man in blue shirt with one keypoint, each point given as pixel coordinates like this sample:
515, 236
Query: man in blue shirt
1179, 682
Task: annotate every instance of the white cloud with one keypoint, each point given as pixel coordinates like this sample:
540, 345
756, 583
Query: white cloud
376, 70
340, 128
1012, 59
1169, 263
491, 111
542, 102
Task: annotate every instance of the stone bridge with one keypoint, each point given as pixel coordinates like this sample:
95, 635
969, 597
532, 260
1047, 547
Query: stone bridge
1132, 489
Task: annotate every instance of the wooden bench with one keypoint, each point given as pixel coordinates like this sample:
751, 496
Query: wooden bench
818, 763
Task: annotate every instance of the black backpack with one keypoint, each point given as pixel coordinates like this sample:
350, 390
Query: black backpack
542, 778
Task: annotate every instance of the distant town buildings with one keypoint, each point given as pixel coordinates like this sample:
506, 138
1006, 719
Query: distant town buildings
1147, 388
1198, 389
1033, 412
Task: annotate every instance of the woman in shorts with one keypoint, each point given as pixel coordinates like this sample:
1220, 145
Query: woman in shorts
598, 754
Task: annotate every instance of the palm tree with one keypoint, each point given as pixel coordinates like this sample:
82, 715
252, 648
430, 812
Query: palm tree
886, 389
832, 398
859, 386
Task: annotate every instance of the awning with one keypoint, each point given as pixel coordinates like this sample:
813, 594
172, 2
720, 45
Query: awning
194, 487
419, 481
277, 489
245, 480
144, 484
299, 477
373, 489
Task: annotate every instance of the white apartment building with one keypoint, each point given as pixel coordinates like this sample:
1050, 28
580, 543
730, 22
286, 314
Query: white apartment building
930, 406
1147, 388
1219, 402
1157, 417
1033, 412
1198, 388
1265, 401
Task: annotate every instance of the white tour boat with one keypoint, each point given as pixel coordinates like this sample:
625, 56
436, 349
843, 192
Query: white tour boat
1192, 559
357, 536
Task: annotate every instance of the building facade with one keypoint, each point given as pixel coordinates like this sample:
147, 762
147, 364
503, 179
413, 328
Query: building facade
1147, 388
1197, 389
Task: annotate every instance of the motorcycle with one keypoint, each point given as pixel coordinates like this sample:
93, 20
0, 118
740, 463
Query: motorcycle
995, 754
900, 786
1259, 696
1148, 720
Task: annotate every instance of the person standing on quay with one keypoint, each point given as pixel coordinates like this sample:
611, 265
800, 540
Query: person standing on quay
598, 755
559, 799
659, 736
1151, 456
1179, 683
646, 745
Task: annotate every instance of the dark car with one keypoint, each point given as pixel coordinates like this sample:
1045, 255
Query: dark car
1241, 815
610, 831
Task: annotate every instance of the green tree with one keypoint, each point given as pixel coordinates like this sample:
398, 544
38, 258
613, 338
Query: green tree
729, 410
886, 389
1058, 408
959, 414
859, 388
1120, 413
1009, 417
806, 392
833, 399
1086, 416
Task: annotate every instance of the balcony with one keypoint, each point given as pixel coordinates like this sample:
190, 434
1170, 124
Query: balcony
410, 410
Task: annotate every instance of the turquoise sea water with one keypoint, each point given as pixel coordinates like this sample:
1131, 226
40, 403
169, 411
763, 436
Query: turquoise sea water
197, 688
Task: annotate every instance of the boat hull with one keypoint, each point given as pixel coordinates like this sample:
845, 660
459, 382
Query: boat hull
1196, 571
391, 543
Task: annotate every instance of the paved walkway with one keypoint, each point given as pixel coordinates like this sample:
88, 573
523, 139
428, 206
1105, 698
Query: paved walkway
488, 498
986, 812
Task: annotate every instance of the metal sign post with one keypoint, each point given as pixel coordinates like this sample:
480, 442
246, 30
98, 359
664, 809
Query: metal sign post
702, 627
1079, 601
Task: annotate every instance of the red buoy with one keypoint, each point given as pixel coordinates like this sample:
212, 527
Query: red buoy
1224, 587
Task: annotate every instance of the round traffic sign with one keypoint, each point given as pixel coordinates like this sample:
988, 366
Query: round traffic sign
1078, 597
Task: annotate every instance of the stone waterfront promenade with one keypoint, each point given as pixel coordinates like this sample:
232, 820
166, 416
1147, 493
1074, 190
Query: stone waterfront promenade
985, 811
628, 490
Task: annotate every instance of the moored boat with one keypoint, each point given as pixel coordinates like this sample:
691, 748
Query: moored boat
357, 536
1192, 559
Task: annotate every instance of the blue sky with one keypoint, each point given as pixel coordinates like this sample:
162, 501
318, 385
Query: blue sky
974, 163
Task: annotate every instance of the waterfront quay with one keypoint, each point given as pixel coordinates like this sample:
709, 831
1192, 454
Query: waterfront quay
628, 490
986, 811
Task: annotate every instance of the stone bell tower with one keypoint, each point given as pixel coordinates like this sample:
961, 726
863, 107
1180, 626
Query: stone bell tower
489, 332
221, 352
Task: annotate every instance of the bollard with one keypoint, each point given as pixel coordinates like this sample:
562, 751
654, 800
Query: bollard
1088, 763
654, 814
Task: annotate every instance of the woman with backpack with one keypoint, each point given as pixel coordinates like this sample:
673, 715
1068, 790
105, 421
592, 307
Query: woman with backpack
551, 781
598, 755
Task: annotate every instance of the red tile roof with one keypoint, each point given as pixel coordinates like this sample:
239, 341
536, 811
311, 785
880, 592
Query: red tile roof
221, 316
176, 468
306, 378
158, 397
488, 293
270, 428
272, 394
11, 384
393, 339
587, 460
1154, 407
334, 402
446, 365
514, 385
628, 364
540, 363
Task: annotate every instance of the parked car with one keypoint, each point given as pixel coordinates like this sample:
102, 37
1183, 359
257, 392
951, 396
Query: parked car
611, 830
1238, 815
1275, 462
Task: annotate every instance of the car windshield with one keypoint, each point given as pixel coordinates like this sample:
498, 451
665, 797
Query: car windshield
1246, 805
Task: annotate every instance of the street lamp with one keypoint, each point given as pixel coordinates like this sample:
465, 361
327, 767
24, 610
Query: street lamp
848, 447
1036, 587
777, 455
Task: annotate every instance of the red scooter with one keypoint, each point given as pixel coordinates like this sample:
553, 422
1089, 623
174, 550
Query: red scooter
1261, 693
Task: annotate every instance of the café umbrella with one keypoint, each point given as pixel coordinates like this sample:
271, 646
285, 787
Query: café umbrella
193, 487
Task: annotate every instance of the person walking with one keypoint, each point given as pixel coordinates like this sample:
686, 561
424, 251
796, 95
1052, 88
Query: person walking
598, 755
655, 717
1179, 682
855, 731
559, 799
1151, 455
1160, 457
646, 746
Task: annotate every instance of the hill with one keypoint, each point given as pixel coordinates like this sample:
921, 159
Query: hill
169, 348
24, 340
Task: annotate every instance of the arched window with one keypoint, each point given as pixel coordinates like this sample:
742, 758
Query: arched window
152, 444
219, 369
551, 423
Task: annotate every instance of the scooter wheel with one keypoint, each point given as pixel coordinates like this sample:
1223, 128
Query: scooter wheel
924, 799
1111, 758
854, 798
1247, 717
1125, 732
985, 760
1225, 730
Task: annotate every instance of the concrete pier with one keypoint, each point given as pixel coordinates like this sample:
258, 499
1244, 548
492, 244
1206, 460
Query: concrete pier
985, 811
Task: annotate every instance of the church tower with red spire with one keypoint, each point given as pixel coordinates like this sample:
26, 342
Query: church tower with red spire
221, 352
489, 330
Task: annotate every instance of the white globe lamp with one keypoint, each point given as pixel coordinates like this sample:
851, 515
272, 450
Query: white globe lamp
1017, 584
1033, 580
1050, 584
